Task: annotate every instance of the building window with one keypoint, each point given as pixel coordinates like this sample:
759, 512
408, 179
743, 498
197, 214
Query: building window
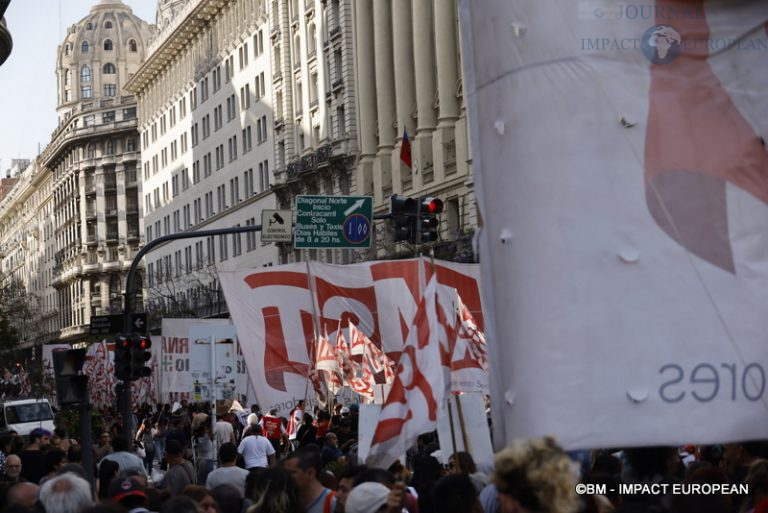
84, 47
66, 77
108, 25
110, 90
85, 92
89, 26
108, 45
109, 69
109, 147
108, 117
85, 74
130, 145
132, 45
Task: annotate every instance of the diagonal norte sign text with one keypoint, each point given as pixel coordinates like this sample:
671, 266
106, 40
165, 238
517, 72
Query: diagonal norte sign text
333, 222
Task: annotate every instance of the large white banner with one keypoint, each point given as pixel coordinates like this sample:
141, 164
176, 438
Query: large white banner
276, 312
622, 179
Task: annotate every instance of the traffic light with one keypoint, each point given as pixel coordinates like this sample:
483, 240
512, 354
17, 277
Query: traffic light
140, 355
123, 358
71, 383
415, 220
430, 208
402, 211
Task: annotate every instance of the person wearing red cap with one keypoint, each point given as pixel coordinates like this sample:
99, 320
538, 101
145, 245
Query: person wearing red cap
129, 493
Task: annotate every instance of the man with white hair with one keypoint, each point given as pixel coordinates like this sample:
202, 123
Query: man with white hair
66, 493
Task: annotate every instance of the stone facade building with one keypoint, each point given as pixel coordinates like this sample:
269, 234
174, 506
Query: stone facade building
94, 159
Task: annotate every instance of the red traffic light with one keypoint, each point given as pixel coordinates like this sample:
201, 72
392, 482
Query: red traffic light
144, 343
432, 205
123, 343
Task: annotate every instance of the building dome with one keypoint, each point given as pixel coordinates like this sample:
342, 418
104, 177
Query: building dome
99, 54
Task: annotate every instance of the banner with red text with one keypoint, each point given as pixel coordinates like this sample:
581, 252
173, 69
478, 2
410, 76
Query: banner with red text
274, 312
622, 179
185, 361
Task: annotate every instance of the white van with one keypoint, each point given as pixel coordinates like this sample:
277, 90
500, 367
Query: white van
24, 415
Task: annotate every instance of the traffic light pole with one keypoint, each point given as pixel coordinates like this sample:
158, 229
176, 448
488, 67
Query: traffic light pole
130, 292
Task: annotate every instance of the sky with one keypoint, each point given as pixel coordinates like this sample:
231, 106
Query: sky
28, 77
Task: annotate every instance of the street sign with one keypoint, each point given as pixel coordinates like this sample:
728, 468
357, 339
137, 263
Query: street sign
276, 226
333, 222
113, 324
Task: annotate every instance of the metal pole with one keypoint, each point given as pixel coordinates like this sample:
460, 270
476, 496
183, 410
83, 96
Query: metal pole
86, 442
130, 291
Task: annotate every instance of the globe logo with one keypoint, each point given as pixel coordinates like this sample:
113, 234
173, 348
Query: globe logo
661, 44
599, 13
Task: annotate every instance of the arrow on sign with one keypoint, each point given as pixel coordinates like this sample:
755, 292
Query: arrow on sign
138, 323
357, 204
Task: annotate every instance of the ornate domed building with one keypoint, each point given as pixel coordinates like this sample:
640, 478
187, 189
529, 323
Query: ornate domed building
94, 156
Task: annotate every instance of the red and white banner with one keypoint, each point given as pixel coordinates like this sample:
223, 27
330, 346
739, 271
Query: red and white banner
622, 179
273, 310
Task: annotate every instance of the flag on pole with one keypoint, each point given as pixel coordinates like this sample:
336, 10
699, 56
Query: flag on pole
419, 388
405, 150
327, 364
26, 386
468, 332
350, 369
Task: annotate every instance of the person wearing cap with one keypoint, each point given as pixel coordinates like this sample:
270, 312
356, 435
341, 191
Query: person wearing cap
180, 472
372, 497
129, 493
305, 467
33, 458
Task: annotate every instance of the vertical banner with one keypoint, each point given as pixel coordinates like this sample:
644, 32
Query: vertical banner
622, 179
468, 424
273, 312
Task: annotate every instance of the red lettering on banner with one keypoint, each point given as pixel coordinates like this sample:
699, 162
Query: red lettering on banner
407, 271
175, 345
366, 296
279, 278
276, 361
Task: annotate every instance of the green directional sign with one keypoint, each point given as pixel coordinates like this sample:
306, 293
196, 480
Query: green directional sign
337, 222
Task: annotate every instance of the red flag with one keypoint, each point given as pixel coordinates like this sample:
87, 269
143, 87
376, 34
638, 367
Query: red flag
405, 150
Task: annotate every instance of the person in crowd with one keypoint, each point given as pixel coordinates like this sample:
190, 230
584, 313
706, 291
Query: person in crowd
535, 476
330, 451
202, 496
177, 432
386, 478
323, 424
203, 452
180, 504
223, 431
66, 493
276, 491
160, 430
75, 453
295, 418
427, 470
305, 467
108, 471
180, 472
737, 458
146, 436
462, 463
346, 483
229, 473
757, 480
103, 447
129, 493
273, 429
229, 499
122, 454
5, 450
307, 433
700, 503
456, 493
650, 465
23, 495
373, 497
256, 450
606, 463
12, 472
33, 458
55, 458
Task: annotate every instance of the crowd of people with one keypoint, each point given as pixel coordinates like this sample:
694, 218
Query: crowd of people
183, 460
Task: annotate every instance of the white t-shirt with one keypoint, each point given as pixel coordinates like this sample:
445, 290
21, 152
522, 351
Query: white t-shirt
255, 450
234, 476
